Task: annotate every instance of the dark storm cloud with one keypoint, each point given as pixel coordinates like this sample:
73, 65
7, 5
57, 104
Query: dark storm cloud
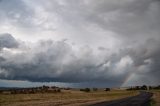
148, 56
57, 61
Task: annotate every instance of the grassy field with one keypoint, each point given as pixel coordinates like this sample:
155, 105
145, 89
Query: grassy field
156, 98
65, 98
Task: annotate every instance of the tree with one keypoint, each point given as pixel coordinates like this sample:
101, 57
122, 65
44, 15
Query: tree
85, 90
144, 87
107, 89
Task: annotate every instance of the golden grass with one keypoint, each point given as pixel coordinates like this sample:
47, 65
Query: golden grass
67, 98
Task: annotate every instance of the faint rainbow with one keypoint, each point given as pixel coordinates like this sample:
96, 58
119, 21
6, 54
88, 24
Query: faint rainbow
127, 79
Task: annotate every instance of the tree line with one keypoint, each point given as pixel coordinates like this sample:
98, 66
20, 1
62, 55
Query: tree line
144, 87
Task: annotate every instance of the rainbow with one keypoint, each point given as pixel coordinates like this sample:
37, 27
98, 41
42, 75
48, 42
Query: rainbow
127, 79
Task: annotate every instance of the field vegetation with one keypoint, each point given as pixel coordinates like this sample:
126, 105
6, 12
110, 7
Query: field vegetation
72, 97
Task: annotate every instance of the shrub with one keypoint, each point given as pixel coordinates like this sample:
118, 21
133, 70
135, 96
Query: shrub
58, 90
85, 90
107, 89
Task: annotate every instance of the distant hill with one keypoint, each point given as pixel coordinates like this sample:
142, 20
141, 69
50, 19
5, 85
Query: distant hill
8, 88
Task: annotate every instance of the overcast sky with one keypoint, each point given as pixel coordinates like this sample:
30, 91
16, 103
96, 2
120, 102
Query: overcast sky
79, 42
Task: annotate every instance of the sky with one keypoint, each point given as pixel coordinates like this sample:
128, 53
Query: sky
79, 43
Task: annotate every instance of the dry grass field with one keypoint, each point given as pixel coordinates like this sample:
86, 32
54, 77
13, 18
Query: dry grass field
65, 98
156, 98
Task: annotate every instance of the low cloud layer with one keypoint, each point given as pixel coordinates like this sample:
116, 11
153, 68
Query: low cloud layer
58, 61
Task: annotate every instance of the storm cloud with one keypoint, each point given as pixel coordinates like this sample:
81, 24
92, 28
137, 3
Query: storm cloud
83, 41
57, 61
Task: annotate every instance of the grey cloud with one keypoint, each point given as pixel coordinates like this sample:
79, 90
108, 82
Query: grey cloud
137, 18
7, 41
15, 13
135, 23
127, 17
57, 61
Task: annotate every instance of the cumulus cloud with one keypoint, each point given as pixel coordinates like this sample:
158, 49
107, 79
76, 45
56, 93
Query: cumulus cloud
51, 61
7, 41
58, 61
